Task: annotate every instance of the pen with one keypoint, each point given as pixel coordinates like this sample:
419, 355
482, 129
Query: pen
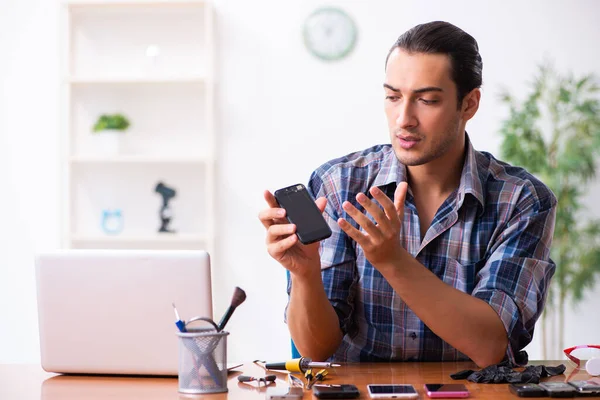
178, 322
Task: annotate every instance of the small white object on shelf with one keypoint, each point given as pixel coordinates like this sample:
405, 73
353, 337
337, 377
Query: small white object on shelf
107, 141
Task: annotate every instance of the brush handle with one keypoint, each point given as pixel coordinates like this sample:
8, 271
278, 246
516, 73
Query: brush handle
225, 318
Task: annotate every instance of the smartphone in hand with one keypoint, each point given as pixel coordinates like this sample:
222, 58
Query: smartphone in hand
302, 211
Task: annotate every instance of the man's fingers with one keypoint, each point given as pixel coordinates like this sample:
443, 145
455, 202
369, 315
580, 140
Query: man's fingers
399, 197
385, 223
321, 203
361, 219
388, 206
272, 215
271, 201
278, 249
275, 232
351, 231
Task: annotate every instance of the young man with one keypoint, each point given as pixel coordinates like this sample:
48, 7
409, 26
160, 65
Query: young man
438, 251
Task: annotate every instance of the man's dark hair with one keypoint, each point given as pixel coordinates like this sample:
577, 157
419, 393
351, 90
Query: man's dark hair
439, 37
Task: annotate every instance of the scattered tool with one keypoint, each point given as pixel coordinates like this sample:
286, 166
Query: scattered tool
309, 378
300, 365
266, 380
319, 376
295, 381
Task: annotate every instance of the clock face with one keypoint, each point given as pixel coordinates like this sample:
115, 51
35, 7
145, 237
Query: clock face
329, 33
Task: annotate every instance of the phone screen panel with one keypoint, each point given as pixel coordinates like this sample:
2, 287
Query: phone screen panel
302, 211
392, 391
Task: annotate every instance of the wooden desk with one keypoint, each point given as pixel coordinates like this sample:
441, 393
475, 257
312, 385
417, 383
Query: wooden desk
28, 382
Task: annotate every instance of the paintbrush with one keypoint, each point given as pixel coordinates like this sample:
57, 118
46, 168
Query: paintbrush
238, 298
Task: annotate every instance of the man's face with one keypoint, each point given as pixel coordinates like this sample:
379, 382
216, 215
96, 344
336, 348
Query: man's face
421, 107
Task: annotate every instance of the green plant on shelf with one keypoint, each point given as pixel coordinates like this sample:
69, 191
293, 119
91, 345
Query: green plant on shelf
115, 122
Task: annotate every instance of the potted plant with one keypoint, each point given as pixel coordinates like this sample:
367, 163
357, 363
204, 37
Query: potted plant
107, 130
555, 134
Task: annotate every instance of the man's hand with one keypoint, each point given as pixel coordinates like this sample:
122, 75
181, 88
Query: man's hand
313, 323
282, 242
381, 241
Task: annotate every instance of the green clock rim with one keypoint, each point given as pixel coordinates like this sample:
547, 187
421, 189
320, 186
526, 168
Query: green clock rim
352, 41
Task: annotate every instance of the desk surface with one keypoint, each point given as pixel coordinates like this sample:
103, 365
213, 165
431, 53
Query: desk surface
28, 382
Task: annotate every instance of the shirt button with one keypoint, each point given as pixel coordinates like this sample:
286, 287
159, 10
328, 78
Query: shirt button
413, 336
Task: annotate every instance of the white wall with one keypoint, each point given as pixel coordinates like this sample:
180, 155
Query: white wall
281, 114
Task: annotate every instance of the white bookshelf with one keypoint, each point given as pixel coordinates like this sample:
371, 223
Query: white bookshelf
91, 80
137, 159
151, 61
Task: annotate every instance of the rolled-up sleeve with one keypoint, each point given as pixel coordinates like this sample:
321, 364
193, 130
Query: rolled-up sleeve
515, 279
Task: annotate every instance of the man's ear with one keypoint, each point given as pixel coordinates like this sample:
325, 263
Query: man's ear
470, 104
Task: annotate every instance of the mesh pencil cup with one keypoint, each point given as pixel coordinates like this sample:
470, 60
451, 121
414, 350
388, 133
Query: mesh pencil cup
202, 361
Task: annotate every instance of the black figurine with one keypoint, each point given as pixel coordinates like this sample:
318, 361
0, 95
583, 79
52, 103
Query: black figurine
167, 194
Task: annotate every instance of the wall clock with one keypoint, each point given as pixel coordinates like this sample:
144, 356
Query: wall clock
329, 33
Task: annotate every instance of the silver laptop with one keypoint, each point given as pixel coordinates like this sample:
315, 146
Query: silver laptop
110, 311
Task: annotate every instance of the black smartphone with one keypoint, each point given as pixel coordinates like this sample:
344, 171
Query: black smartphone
586, 388
559, 389
344, 391
527, 390
302, 211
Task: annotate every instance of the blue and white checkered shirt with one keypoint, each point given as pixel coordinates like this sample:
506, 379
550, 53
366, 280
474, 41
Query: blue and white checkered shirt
491, 239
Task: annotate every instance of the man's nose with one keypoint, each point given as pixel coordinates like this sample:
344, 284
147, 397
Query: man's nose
406, 117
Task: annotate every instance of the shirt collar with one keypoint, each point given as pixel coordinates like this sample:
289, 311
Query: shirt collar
470, 181
392, 171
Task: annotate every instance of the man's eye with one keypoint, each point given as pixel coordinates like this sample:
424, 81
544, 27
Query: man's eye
391, 98
428, 102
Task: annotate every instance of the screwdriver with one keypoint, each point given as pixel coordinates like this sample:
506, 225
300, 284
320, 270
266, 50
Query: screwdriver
309, 376
319, 376
300, 365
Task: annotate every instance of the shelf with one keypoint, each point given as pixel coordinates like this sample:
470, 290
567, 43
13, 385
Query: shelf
137, 159
130, 3
152, 61
119, 80
148, 239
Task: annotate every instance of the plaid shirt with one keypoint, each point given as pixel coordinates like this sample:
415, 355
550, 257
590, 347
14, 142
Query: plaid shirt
490, 238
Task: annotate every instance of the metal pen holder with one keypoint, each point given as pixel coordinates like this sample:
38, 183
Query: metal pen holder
202, 361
